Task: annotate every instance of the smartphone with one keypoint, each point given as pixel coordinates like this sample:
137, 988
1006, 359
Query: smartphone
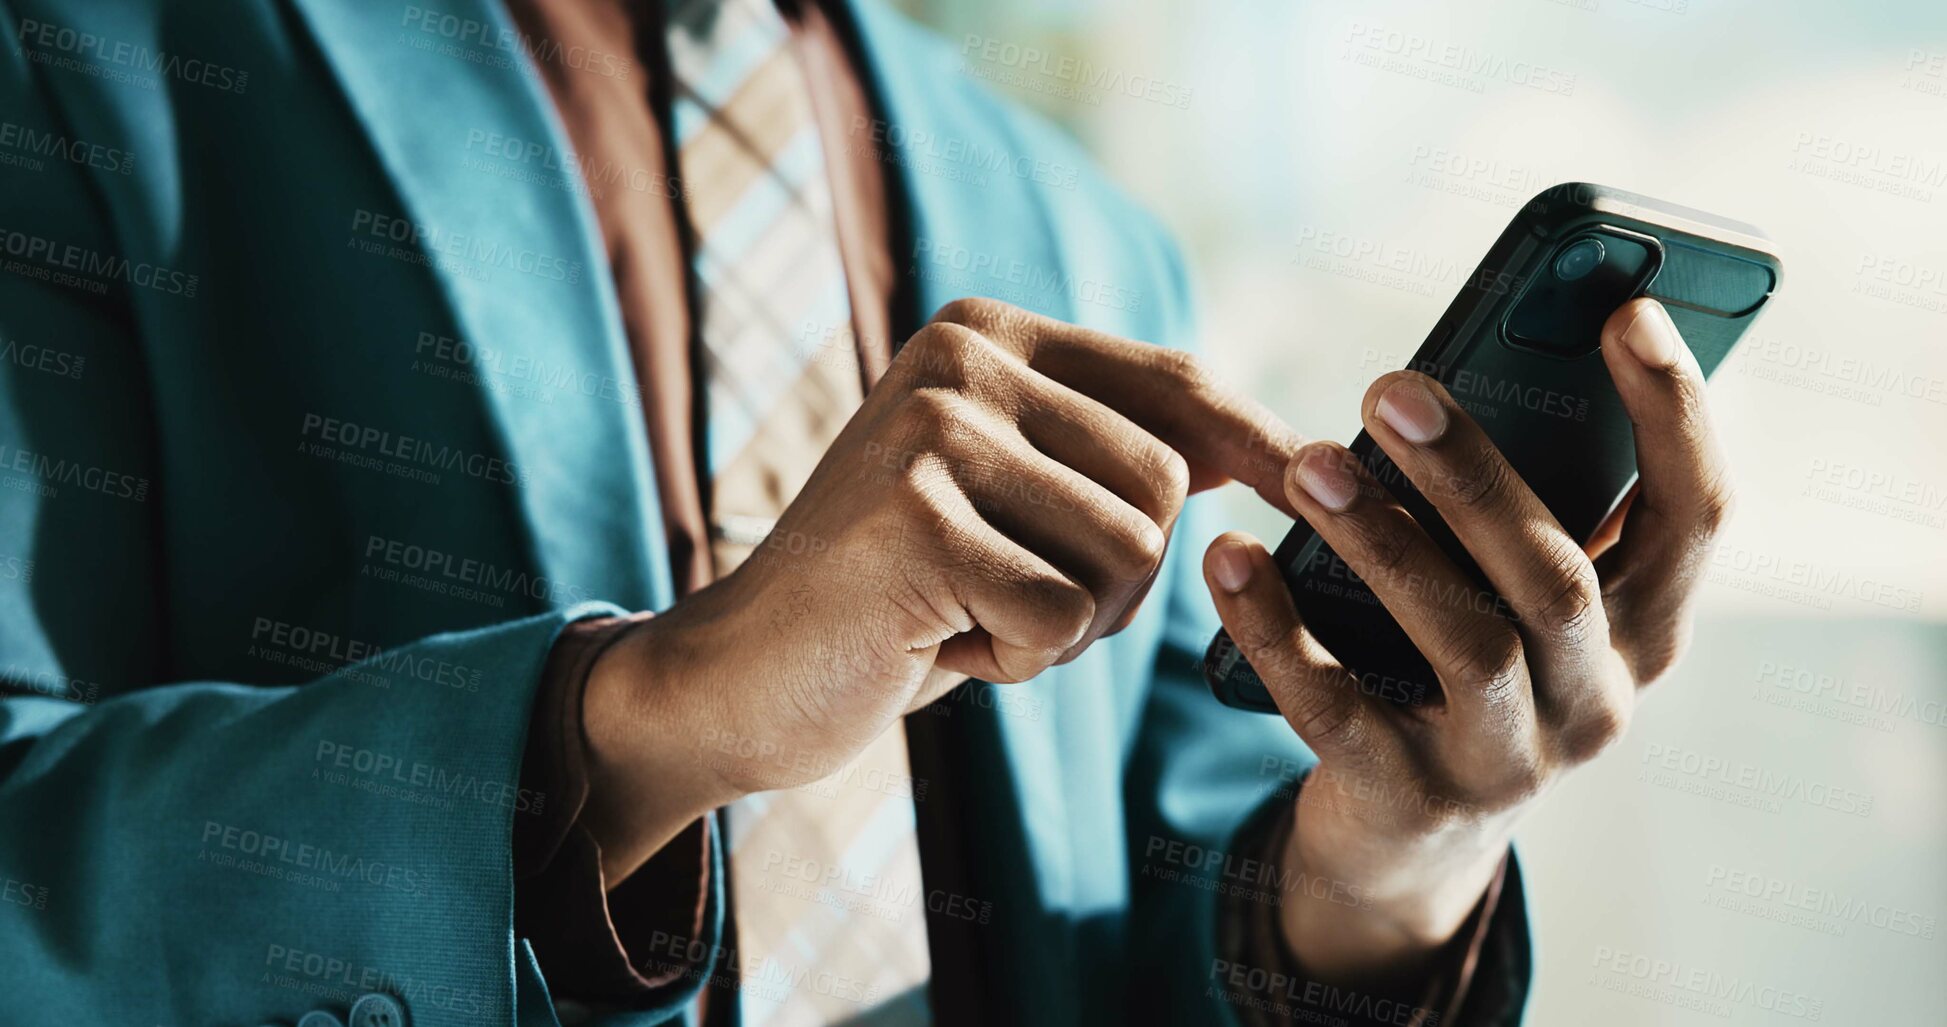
1519, 350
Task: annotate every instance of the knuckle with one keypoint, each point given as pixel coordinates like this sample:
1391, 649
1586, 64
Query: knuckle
1522, 778
927, 480
1140, 544
1382, 548
972, 311
1483, 481
1170, 477
1650, 662
1184, 368
1692, 398
1017, 665
1129, 613
1012, 675
930, 340
1595, 731
941, 352
1273, 645
1488, 663
1651, 666
1573, 614
938, 415
1066, 609
1324, 713
1716, 501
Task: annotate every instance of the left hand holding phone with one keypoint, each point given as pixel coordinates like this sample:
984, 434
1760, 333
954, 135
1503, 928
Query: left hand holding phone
1535, 683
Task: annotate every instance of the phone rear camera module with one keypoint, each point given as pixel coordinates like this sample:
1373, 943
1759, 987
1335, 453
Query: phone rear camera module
1579, 258
1572, 290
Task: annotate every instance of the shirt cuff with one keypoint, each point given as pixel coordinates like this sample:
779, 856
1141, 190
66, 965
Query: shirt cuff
622, 944
1480, 979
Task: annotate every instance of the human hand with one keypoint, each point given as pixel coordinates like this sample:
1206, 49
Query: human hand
1416, 805
1002, 499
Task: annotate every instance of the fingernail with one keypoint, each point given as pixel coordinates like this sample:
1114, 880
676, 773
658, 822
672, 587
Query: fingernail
1323, 475
1652, 337
1409, 408
1230, 564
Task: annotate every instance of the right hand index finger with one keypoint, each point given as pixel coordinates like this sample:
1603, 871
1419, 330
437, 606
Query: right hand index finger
1223, 435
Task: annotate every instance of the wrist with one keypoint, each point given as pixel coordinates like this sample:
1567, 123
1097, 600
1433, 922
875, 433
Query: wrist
1375, 911
645, 722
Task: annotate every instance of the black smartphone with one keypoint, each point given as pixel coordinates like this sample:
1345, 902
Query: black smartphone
1519, 350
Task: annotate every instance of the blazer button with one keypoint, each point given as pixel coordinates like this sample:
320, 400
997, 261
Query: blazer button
376, 1010
319, 1018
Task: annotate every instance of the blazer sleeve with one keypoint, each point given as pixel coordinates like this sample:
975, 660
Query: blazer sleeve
214, 851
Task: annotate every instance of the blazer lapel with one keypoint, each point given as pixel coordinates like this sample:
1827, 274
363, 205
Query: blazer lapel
521, 266
1021, 850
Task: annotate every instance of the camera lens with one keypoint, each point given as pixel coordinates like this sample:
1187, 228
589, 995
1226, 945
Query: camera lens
1579, 258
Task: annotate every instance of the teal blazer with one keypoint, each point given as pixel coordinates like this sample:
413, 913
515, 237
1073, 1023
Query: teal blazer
317, 423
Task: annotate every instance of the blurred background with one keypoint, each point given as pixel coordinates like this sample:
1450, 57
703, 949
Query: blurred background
1769, 843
